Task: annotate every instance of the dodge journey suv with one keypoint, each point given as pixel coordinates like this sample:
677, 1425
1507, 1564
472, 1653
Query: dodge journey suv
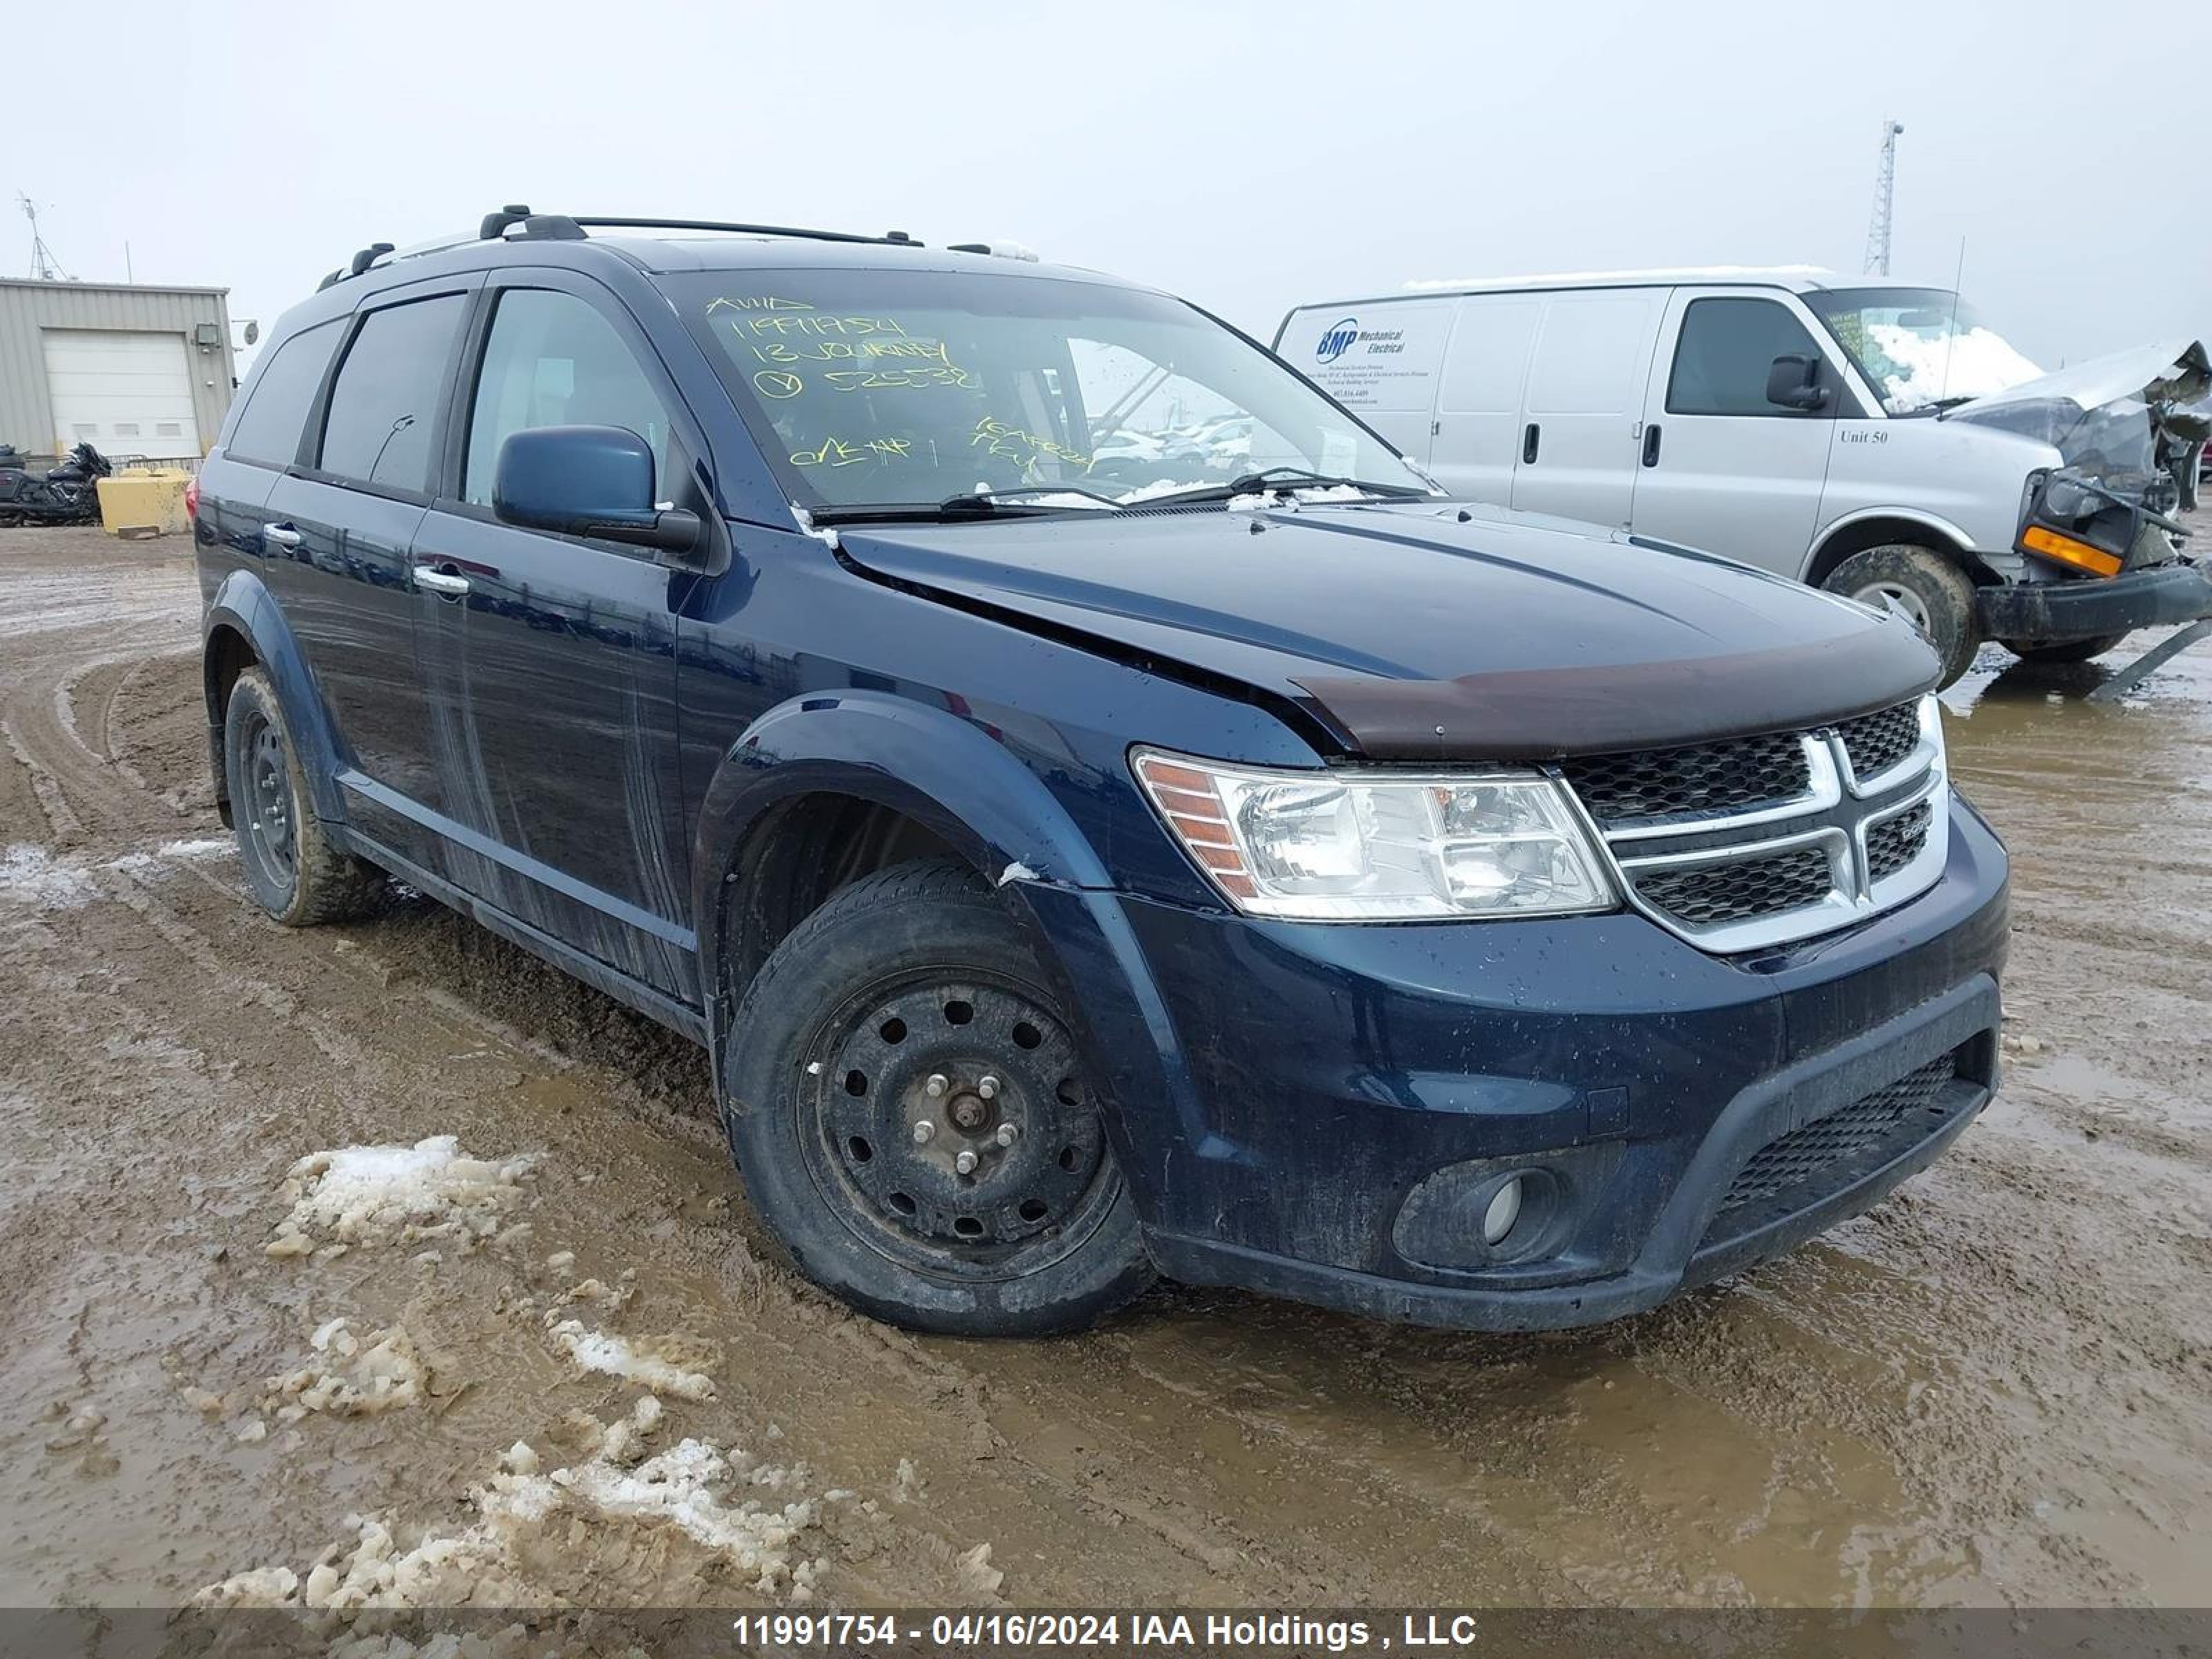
1103, 811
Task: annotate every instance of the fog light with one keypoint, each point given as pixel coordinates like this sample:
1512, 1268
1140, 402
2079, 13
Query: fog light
1503, 1210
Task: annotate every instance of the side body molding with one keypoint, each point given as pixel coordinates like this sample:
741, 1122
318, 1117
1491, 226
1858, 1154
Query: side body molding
242, 605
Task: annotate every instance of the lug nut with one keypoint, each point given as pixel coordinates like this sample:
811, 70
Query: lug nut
965, 1164
988, 1088
1008, 1134
936, 1087
923, 1131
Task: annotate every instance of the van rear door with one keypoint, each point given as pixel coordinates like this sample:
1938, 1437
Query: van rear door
1378, 359
1585, 394
1721, 468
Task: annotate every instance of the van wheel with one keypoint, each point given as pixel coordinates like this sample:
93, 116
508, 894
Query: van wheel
292, 870
1930, 591
912, 1123
2066, 650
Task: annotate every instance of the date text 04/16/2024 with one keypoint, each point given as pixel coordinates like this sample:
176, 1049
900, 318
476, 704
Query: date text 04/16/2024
1168, 1631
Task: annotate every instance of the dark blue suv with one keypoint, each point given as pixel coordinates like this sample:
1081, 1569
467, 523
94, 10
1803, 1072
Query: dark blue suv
1103, 811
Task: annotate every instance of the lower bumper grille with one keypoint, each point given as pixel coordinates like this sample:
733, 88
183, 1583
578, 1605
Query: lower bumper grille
1805, 1158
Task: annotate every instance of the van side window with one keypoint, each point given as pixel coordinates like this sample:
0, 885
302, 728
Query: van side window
385, 403
553, 360
276, 413
1727, 345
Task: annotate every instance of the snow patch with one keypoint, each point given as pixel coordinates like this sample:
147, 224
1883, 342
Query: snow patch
671, 1365
379, 1195
31, 875
205, 847
1016, 872
351, 1375
1921, 368
695, 1490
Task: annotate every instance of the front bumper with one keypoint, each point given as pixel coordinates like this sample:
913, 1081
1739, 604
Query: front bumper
2043, 613
1282, 1089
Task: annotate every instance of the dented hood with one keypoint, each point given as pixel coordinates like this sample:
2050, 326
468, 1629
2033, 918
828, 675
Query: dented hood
1424, 632
2175, 370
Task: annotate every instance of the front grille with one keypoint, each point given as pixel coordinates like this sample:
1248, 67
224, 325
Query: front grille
1754, 841
1804, 1155
1706, 779
1895, 843
1715, 895
1877, 742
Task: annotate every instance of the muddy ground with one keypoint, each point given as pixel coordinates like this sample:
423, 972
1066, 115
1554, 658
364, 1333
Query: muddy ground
1995, 1388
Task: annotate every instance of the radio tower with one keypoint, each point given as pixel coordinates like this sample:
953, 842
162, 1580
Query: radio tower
43, 268
1885, 187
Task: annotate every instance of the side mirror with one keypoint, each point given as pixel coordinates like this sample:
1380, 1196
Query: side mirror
1793, 380
587, 481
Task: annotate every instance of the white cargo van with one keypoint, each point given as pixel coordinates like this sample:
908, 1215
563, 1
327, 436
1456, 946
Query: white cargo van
1875, 437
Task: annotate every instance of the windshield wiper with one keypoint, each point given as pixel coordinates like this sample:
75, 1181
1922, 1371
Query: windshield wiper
977, 504
1283, 478
988, 500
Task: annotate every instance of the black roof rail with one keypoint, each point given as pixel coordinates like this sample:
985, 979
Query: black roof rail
494, 224
894, 238
567, 228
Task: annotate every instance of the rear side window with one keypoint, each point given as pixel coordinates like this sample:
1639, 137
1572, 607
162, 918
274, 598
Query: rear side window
276, 414
385, 403
1726, 348
553, 360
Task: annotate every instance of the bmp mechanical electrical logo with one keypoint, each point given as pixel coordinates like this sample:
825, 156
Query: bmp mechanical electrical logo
1335, 344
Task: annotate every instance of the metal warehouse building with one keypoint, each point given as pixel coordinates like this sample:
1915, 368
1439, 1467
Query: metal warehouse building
133, 371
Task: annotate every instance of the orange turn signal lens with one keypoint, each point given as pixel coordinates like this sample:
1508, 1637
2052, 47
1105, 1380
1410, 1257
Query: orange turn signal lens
2069, 550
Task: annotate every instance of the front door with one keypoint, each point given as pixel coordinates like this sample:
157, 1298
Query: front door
551, 658
1722, 469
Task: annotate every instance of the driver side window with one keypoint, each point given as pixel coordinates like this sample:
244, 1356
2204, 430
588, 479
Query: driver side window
553, 360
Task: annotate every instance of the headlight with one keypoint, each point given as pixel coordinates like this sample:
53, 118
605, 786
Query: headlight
1351, 846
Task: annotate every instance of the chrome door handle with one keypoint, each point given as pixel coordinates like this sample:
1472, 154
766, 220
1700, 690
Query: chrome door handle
280, 535
440, 582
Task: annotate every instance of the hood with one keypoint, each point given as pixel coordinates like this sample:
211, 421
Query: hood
1424, 632
2175, 370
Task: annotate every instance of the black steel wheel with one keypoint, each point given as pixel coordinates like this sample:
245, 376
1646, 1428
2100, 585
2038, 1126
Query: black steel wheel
951, 1116
262, 809
909, 1110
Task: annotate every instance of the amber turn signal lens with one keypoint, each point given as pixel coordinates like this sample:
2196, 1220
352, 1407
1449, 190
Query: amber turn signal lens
2069, 550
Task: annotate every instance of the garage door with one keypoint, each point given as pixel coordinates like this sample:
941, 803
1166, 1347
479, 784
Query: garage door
126, 393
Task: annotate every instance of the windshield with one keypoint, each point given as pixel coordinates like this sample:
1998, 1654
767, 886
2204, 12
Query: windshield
870, 388
1920, 347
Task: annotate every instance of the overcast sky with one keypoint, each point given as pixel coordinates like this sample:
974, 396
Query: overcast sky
1248, 155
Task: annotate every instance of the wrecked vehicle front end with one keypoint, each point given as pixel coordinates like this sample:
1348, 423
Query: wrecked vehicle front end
2104, 550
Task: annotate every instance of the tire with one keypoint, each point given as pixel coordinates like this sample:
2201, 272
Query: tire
1930, 591
915, 978
2066, 651
292, 870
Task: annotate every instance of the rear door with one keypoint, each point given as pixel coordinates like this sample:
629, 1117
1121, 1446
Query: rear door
1380, 359
1721, 468
551, 658
1478, 424
1584, 398
269, 437
337, 530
